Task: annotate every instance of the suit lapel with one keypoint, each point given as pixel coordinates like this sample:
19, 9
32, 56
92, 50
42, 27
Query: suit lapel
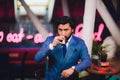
70, 50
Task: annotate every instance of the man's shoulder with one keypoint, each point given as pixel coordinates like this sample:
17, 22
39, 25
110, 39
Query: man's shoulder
77, 38
49, 37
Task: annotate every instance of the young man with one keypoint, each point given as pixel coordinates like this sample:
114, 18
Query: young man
64, 65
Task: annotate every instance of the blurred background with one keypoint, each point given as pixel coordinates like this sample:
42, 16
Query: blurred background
20, 38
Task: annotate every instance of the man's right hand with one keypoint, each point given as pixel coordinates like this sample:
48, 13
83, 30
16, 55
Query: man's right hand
58, 40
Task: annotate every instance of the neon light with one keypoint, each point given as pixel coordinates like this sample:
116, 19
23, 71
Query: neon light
38, 38
21, 34
1, 36
29, 37
97, 35
15, 38
9, 37
78, 30
18, 37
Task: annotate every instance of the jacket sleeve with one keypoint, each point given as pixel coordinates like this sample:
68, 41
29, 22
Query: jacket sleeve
85, 59
44, 51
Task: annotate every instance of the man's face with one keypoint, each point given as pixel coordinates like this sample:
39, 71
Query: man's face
65, 30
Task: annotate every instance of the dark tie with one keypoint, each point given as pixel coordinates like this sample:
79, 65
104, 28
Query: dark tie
64, 50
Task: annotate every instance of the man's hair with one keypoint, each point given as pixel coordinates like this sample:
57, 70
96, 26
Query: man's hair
64, 20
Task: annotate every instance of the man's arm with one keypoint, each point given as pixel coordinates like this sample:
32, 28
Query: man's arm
43, 52
85, 59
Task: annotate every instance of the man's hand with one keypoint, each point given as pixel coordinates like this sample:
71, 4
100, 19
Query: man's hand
67, 73
58, 40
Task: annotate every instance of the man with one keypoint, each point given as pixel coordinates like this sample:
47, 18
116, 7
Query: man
64, 66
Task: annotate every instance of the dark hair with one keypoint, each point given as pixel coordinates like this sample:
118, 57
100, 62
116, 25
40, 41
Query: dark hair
64, 20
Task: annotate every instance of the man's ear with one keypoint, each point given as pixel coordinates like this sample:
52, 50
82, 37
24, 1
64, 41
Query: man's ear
72, 30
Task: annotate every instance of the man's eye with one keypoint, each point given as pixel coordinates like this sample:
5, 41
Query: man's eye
65, 29
60, 29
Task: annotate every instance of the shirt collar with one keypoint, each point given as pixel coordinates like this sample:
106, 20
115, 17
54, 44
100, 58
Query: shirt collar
68, 41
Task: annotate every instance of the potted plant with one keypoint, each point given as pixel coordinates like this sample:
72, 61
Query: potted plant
96, 48
98, 53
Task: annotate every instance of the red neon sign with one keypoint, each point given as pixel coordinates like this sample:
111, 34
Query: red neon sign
18, 37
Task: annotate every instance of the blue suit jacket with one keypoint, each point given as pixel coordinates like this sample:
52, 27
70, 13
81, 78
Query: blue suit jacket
77, 50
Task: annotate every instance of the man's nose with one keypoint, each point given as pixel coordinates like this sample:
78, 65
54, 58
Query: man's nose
63, 33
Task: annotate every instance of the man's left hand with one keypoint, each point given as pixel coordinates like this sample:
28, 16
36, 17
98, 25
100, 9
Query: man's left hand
67, 73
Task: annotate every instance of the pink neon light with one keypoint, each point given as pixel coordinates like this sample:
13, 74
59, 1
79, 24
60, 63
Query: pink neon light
15, 37
21, 35
78, 30
50, 34
8, 38
97, 35
18, 37
1, 36
29, 37
38, 38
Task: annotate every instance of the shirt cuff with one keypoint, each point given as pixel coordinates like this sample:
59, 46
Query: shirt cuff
51, 47
73, 68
